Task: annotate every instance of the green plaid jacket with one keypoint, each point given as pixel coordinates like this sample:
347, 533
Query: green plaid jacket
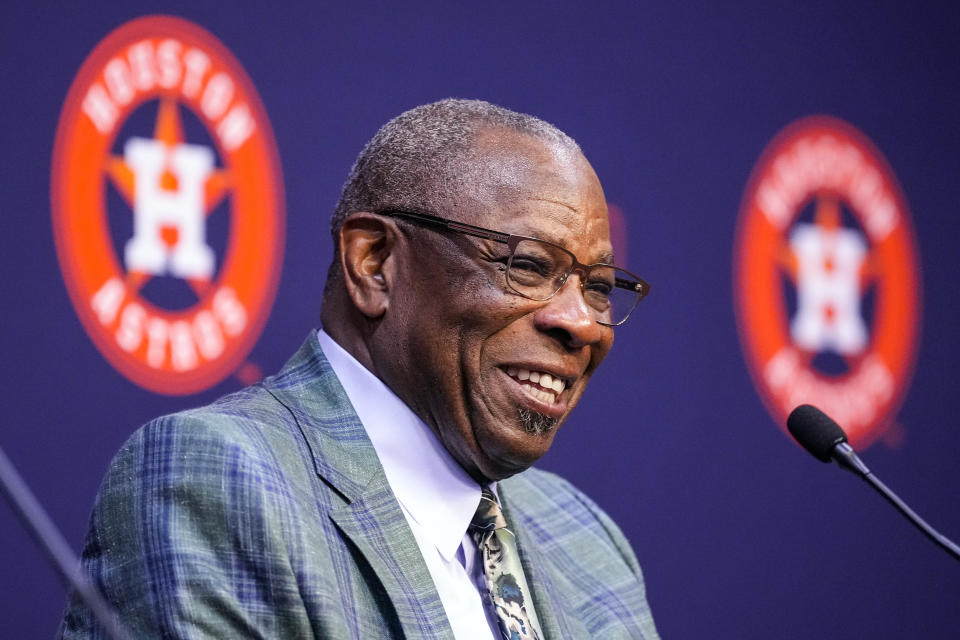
267, 515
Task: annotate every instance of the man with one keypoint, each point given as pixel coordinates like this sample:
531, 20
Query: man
466, 308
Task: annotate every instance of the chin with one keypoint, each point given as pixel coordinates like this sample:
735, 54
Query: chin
507, 454
535, 423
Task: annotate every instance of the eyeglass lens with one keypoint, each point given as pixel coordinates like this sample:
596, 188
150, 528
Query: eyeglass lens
538, 269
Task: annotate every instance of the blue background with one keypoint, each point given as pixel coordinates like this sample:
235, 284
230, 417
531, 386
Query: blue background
740, 533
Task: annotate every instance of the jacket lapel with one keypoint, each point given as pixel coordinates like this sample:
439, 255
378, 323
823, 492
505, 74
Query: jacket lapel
369, 516
375, 524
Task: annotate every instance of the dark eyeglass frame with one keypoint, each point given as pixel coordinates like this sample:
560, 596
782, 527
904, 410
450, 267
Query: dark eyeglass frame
639, 286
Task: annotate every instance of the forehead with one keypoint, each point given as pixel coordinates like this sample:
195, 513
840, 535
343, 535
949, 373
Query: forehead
526, 186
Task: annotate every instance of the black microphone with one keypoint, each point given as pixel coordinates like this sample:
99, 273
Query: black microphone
821, 436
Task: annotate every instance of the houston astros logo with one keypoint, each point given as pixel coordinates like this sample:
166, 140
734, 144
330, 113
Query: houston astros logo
826, 278
167, 205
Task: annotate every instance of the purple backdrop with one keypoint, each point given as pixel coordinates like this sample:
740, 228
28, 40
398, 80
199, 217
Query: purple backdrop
741, 535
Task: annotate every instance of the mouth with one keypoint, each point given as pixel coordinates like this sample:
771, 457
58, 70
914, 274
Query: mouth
544, 391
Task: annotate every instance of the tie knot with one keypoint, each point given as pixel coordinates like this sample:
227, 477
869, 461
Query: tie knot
488, 516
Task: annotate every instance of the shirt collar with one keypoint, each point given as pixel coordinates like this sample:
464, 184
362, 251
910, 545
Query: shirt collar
431, 487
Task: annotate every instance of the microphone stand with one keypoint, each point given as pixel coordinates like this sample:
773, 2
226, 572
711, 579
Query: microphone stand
846, 457
51, 541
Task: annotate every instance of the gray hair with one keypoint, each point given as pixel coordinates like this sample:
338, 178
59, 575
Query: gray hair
419, 159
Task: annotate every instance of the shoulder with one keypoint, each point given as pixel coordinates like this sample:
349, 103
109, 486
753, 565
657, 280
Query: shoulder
585, 564
245, 438
241, 420
541, 497
201, 520
537, 490
237, 471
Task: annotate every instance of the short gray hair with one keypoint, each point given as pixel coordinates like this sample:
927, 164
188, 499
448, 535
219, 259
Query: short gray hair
416, 159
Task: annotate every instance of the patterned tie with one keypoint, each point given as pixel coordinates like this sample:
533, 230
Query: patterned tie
504, 575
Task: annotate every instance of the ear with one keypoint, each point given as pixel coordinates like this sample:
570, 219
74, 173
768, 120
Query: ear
366, 244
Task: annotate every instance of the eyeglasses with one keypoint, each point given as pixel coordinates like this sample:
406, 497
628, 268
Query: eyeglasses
537, 269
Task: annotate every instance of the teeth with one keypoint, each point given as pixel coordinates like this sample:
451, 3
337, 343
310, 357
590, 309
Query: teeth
548, 387
544, 396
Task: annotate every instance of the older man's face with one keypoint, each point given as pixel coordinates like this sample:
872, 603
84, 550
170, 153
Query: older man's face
470, 338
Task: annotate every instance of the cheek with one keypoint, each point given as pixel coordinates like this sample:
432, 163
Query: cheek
601, 348
456, 337
487, 311
506, 327
498, 336
599, 351
466, 316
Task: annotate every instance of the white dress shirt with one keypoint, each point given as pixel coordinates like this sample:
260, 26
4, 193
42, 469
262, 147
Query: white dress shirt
436, 495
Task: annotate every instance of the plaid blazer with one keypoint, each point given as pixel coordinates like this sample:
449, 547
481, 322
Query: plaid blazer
268, 515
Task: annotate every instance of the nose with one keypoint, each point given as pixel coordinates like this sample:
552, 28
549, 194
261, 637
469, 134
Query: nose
567, 317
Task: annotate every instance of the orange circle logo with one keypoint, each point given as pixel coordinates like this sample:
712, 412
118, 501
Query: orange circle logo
167, 205
826, 278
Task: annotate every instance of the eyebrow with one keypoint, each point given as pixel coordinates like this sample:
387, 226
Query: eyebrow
481, 232
607, 258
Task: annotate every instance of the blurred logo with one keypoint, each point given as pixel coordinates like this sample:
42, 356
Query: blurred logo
826, 278
167, 205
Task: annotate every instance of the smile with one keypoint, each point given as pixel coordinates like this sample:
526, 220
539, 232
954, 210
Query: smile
540, 384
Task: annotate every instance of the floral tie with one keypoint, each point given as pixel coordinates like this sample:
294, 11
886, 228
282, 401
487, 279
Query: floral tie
504, 575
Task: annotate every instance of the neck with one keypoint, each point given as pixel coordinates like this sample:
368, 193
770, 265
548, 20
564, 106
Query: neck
346, 331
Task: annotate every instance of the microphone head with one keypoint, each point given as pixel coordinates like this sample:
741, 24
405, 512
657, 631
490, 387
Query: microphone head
815, 431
